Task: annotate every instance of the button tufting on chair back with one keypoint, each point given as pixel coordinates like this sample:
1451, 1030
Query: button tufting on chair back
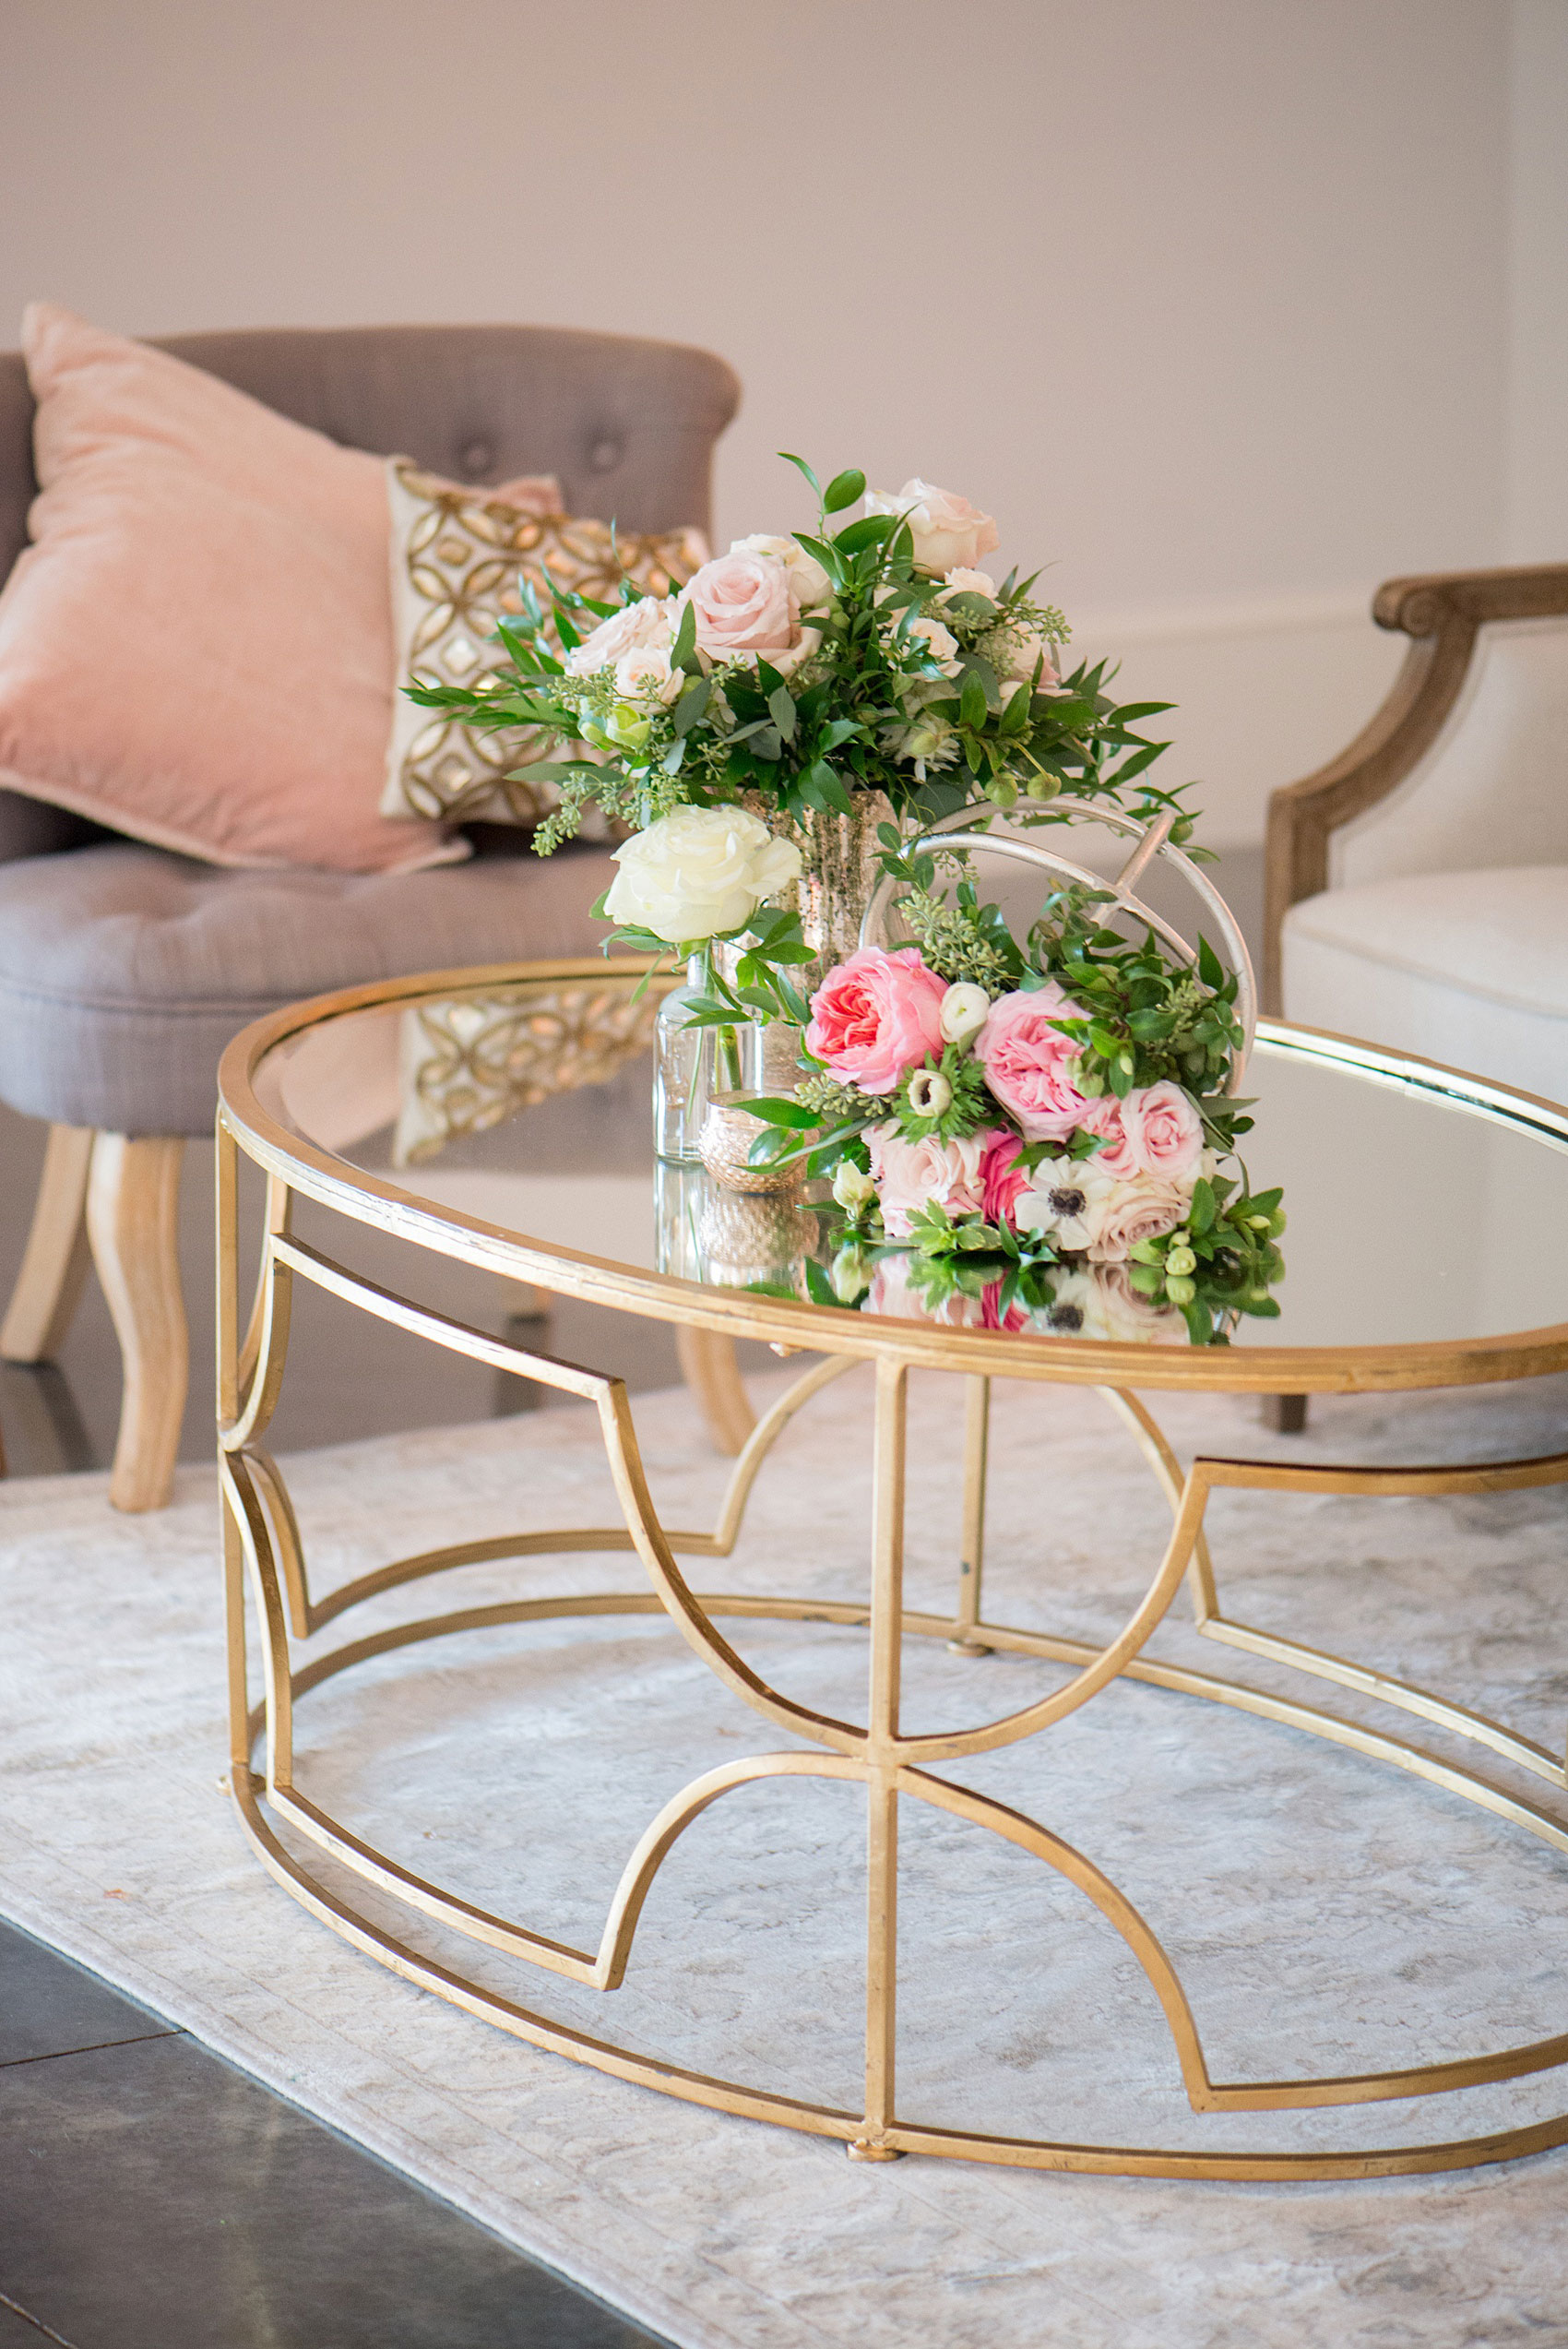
627, 425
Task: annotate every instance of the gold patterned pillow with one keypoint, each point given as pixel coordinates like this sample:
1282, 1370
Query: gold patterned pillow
456, 557
467, 1063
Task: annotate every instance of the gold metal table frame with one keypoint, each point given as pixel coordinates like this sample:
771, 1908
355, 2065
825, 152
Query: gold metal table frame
264, 1551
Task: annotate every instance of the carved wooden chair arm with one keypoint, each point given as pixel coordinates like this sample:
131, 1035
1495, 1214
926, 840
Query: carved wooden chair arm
1440, 614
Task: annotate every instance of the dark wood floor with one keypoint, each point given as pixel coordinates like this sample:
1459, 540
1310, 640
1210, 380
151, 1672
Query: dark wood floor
151, 2197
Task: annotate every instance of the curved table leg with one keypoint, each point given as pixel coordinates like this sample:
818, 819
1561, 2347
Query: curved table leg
709, 1369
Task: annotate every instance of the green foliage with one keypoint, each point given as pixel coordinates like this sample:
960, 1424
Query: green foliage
873, 708
961, 1106
1145, 1018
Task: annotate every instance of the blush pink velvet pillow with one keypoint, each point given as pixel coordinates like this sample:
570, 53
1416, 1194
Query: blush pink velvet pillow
196, 649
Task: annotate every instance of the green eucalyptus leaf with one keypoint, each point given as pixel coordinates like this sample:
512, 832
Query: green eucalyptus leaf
801, 467
683, 652
691, 706
871, 530
818, 1286
793, 1113
843, 490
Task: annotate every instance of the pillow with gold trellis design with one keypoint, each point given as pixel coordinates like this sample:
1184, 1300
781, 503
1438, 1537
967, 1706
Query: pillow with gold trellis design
467, 1063
456, 557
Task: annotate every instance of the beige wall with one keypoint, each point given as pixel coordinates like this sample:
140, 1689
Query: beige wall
1207, 300
1537, 346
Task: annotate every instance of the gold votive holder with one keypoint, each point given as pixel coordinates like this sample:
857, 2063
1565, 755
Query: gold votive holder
749, 1236
728, 1132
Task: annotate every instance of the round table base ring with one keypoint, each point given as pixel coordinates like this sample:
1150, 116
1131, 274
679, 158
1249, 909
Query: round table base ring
896, 2138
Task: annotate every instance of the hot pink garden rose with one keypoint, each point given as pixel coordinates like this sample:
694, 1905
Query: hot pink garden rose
1164, 1133
1026, 1058
911, 1175
1001, 1177
876, 1015
747, 604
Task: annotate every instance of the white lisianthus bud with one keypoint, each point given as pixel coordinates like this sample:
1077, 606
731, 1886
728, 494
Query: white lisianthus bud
699, 873
627, 726
852, 1186
850, 1275
930, 1093
965, 1010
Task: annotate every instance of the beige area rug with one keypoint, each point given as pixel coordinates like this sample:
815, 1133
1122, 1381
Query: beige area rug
1325, 1913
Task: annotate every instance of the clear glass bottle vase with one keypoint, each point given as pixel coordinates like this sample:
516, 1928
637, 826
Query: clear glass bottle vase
691, 1065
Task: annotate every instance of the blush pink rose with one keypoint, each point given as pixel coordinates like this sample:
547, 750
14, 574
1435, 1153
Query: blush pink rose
948, 532
1138, 1210
876, 1015
911, 1175
747, 604
1001, 1177
1026, 1058
1115, 1154
1164, 1132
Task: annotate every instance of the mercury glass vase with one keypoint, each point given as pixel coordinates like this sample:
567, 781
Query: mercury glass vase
839, 874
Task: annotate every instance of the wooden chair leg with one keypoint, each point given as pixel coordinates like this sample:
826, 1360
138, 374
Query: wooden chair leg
709, 1369
1283, 1414
133, 1205
54, 1264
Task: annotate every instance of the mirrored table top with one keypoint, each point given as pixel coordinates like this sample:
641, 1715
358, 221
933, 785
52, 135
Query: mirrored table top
1424, 1211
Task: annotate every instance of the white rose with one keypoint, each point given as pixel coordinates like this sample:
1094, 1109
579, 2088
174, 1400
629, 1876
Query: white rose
646, 675
965, 1010
962, 582
812, 585
697, 872
644, 623
949, 533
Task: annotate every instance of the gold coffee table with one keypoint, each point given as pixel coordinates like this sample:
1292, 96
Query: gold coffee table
381, 1104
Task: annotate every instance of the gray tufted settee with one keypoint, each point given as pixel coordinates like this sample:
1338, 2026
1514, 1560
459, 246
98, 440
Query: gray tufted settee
125, 970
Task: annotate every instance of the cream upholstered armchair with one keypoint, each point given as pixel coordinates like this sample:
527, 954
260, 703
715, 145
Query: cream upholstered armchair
1418, 887
124, 970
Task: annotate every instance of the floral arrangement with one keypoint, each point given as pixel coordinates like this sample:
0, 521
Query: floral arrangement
1024, 1133
1036, 1136
783, 681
